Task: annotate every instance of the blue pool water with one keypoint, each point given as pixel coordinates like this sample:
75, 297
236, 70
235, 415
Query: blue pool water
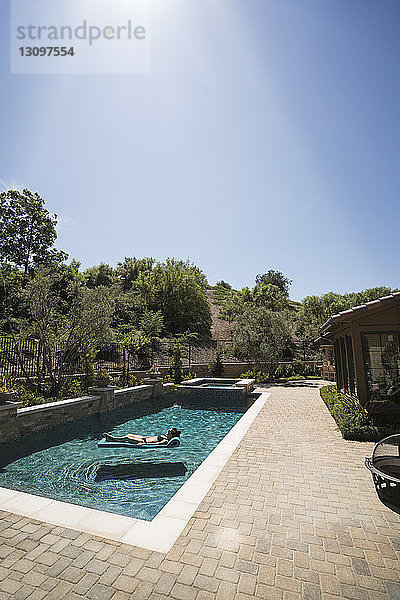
135, 483
218, 385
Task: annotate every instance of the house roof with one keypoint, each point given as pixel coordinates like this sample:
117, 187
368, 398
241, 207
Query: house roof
353, 313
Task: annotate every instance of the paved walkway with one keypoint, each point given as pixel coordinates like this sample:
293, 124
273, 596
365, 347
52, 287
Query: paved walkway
293, 515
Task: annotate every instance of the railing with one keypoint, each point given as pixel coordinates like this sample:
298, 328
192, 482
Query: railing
29, 357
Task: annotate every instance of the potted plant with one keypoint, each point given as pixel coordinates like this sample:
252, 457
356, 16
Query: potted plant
6, 393
154, 373
103, 378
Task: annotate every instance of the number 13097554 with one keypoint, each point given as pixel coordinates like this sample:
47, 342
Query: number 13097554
46, 51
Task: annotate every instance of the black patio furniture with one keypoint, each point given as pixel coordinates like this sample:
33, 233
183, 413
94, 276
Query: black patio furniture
384, 463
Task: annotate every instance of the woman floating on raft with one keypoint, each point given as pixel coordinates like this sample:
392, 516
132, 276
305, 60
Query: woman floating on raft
141, 440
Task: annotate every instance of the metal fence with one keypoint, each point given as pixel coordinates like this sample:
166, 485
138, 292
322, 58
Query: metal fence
28, 357
201, 351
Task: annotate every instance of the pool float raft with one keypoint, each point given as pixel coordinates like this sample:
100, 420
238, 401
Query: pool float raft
103, 443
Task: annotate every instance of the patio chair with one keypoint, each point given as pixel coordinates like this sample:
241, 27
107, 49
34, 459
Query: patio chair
384, 463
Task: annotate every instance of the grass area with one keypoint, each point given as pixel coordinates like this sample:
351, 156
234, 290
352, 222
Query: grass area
351, 418
297, 378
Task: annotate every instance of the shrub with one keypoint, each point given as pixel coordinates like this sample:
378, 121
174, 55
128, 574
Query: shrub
5, 385
132, 381
261, 336
88, 358
217, 367
311, 370
176, 369
72, 388
124, 381
189, 376
298, 367
28, 397
295, 370
292, 378
259, 376
283, 371
168, 378
351, 418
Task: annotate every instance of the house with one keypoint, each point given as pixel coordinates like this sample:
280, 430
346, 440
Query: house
366, 342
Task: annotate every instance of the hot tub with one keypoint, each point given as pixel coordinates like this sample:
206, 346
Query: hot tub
216, 392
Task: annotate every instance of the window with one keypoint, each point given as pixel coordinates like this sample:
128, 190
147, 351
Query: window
338, 364
344, 364
381, 352
350, 365
345, 378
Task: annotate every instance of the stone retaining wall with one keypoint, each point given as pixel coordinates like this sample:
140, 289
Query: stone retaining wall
15, 422
9, 428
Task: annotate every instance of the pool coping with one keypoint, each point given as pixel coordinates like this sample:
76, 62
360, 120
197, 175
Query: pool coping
161, 533
246, 386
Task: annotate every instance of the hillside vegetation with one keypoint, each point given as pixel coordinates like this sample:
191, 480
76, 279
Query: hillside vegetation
220, 328
140, 300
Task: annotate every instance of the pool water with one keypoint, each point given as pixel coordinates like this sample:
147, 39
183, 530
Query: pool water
214, 385
126, 481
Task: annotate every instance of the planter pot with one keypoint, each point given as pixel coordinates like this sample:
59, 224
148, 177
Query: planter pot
6, 397
103, 383
155, 383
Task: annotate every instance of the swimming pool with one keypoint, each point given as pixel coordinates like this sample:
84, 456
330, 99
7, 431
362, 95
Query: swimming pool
134, 483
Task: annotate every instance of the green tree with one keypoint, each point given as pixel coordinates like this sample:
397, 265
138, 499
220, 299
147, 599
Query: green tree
221, 292
129, 270
269, 296
171, 294
275, 278
177, 289
262, 294
217, 367
261, 336
223, 284
176, 368
141, 340
129, 306
11, 305
66, 277
316, 310
28, 230
64, 335
136, 343
151, 323
100, 275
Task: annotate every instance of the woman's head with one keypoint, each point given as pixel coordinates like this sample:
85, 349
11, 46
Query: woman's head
173, 432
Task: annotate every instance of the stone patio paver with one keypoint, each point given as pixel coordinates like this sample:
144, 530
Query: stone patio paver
293, 515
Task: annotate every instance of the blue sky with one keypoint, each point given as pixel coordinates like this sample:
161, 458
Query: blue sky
266, 136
